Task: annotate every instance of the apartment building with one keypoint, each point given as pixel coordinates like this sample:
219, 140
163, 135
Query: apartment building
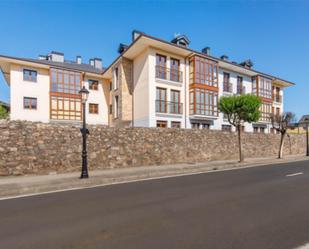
152, 83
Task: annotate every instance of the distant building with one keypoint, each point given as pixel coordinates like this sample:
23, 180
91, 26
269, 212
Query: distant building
299, 128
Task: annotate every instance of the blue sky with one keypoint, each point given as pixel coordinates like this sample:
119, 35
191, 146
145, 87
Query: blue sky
273, 34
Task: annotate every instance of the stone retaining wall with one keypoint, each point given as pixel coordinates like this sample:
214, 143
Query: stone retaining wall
36, 148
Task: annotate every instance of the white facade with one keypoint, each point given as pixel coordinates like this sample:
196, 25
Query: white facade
96, 97
40, 90
21, 88
139, 109
146, 82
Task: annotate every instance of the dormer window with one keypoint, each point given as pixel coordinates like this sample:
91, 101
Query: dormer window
181, 40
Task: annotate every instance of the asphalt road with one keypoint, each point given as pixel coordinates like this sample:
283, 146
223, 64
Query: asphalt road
253, 208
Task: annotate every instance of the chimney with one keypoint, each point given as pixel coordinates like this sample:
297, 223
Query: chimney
136, 34
224, 57
122, 48
57, 56
247, 64
42, 57
78, 59
91, 62
206, 50
98, 63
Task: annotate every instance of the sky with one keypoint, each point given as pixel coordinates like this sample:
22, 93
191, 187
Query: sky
273, 34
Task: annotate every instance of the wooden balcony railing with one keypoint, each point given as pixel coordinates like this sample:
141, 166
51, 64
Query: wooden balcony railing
168, 107
168, 74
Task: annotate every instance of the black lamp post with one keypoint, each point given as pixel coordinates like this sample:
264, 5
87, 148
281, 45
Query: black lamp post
84, 92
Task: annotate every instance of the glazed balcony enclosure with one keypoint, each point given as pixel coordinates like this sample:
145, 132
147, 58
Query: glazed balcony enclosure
203, 86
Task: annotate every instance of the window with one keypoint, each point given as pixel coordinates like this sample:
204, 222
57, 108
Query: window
161, 103
195, 125
64, 95
203, 102
93, 84
93, 108
161, 124
278, 111
65, 82
227, 128
30, 75
116, 107
266, 110
175, 105
110, 109
110, 86
239, 85
116, 78
30, 103
175, 124
64, 108
161, 66
226, 82
205, 126
203, 71
262, 86
175, 73
255, 129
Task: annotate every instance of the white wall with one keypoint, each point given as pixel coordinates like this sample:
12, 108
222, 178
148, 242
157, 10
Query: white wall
141, 72
96, 97
247, 83
168, 85
20, 89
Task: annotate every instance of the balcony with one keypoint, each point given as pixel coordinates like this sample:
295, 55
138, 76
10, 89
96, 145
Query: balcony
277, 98
227, 87
163, 106
168, 74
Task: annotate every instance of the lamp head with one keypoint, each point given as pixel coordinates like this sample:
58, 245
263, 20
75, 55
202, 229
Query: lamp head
85, 93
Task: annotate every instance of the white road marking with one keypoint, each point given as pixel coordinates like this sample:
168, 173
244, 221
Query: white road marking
306, 246
296, 174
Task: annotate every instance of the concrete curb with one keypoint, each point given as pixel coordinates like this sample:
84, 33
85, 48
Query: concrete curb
33, 185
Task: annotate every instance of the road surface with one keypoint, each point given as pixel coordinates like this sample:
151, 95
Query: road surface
254, 208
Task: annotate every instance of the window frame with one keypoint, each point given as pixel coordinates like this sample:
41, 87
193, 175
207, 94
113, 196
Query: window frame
30, 71
65, 99
93, 108
176, 124
162, 124
30, 99
92, 83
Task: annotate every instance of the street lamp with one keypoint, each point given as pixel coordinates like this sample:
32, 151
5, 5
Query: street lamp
85, 93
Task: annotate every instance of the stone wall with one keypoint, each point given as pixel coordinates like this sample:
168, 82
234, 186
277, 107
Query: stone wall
36, 148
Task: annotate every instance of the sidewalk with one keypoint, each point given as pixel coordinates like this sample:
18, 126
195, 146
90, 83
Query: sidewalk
28, 185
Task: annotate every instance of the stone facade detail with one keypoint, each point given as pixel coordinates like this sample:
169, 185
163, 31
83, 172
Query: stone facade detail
124, 93
37, 148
